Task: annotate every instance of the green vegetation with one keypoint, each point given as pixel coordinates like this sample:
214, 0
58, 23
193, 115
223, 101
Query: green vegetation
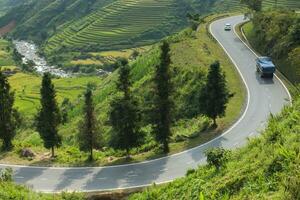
163, 104
10, 190
255, 5
8, 119
215, 94
48, 118
267, 168
125, 116
191, 54
37, 20
276, 33
5, 52
89, 136
225, 5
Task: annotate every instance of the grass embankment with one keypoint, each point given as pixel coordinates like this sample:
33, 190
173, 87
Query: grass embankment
267, 168
279, 39
191, 54
10, 190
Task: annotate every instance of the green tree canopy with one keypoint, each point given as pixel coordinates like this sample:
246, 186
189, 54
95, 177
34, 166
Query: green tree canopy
255, 5
88, 136
163, 105
7, 118
215, 94
48, 118
125, 116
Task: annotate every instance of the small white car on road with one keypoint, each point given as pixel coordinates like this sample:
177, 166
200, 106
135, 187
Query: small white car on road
227, 27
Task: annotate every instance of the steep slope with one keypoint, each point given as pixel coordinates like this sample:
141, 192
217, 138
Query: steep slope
125, 23
39, 19
267, 168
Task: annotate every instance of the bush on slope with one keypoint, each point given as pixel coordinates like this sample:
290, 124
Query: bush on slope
267, 168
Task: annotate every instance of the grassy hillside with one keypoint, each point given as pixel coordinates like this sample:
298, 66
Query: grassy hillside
191, 53
223, 5
123, 24
267, 168
279, 39
5, 52
39, 19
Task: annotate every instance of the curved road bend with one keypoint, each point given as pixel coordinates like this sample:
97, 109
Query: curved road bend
264, 97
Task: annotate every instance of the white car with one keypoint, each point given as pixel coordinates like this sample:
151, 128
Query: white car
227, 27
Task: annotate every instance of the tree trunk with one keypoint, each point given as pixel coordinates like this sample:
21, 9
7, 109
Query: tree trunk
7, 145
91, 155
52, 151
127, 154
166, 146
215, 122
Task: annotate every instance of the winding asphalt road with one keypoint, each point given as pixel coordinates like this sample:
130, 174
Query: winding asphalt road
264, 97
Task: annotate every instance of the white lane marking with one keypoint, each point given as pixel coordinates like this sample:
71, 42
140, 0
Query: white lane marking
132, 175
190, 162
104, 178
163, 170
287, 91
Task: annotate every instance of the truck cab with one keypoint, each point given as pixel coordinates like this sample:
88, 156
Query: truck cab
265, 67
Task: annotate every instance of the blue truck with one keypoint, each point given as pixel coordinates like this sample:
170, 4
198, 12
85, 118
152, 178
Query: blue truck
265, 67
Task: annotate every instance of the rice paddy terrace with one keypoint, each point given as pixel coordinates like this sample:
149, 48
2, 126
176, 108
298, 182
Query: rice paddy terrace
121, 24
127, 23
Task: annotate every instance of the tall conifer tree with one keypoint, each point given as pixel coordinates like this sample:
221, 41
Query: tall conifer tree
48, 118
124, 115
7, 121
162, 117
88, 132
215, 94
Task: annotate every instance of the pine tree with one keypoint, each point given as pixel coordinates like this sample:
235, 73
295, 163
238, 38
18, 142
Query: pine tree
162, 117
7, 120
215, 94
48, 118
124, 115
255, 5
88, 131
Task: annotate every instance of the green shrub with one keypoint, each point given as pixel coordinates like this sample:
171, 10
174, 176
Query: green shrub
217, 157
6, 175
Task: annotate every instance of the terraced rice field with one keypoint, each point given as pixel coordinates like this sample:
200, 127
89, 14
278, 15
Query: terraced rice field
128, 23
121, 23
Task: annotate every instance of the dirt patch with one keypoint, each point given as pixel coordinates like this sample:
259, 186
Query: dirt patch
6, 29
